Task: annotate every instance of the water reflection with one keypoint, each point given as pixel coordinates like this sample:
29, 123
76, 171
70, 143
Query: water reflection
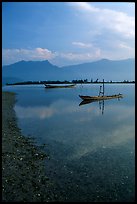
91, 153
100, 102
41, 112
81, 129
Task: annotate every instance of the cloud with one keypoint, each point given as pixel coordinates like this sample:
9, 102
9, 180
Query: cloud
125, 46
84, 6
14, 55
81, 56
43, 53
82, 45
10, 56
112, 20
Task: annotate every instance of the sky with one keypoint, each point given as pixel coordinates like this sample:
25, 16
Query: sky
67, 33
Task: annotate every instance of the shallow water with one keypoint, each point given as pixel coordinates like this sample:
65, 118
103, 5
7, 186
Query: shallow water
91, 147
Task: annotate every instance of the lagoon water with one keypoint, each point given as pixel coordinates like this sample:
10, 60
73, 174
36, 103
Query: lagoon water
91, 147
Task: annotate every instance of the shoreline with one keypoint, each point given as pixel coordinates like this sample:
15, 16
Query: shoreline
23, 166
66, 82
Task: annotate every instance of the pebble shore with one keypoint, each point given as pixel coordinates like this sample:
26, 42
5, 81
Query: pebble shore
23, 169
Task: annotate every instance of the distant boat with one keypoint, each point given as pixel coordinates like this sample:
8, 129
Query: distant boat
58, 86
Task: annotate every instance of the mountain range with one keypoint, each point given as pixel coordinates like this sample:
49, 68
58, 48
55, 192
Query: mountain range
115, 70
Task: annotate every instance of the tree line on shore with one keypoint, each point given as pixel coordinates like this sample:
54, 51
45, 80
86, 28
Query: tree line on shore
75, 81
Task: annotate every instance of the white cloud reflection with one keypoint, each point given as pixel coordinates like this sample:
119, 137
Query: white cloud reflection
43, 112
116, 132
34, 112
85, 133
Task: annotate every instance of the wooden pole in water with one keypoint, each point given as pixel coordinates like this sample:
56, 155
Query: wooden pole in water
103, 87
100, 90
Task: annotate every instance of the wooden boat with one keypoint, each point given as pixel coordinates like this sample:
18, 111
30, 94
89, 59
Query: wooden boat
97, 98
100, 97
58, 86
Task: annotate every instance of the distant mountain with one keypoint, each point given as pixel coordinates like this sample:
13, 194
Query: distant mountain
30, 70
44, 70
107, 69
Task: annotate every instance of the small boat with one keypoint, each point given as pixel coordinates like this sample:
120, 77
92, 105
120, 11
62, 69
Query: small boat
98, 98
58, 86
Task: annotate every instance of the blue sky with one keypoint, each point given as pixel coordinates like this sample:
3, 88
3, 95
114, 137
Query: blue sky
67, 33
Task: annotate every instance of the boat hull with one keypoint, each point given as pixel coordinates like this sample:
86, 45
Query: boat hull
54, 86
97, 98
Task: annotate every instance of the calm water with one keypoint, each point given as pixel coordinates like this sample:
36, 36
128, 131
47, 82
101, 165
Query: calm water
91, 147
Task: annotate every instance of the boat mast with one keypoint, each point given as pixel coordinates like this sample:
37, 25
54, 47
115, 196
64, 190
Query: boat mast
101, 92
103, 87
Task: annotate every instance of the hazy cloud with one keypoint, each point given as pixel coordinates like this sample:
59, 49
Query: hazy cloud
84, 6
10, 56
115, 21
13, 55
125, 46
82, 45
81, 56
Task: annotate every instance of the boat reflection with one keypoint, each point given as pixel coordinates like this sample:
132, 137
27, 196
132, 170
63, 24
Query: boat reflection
101, 103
